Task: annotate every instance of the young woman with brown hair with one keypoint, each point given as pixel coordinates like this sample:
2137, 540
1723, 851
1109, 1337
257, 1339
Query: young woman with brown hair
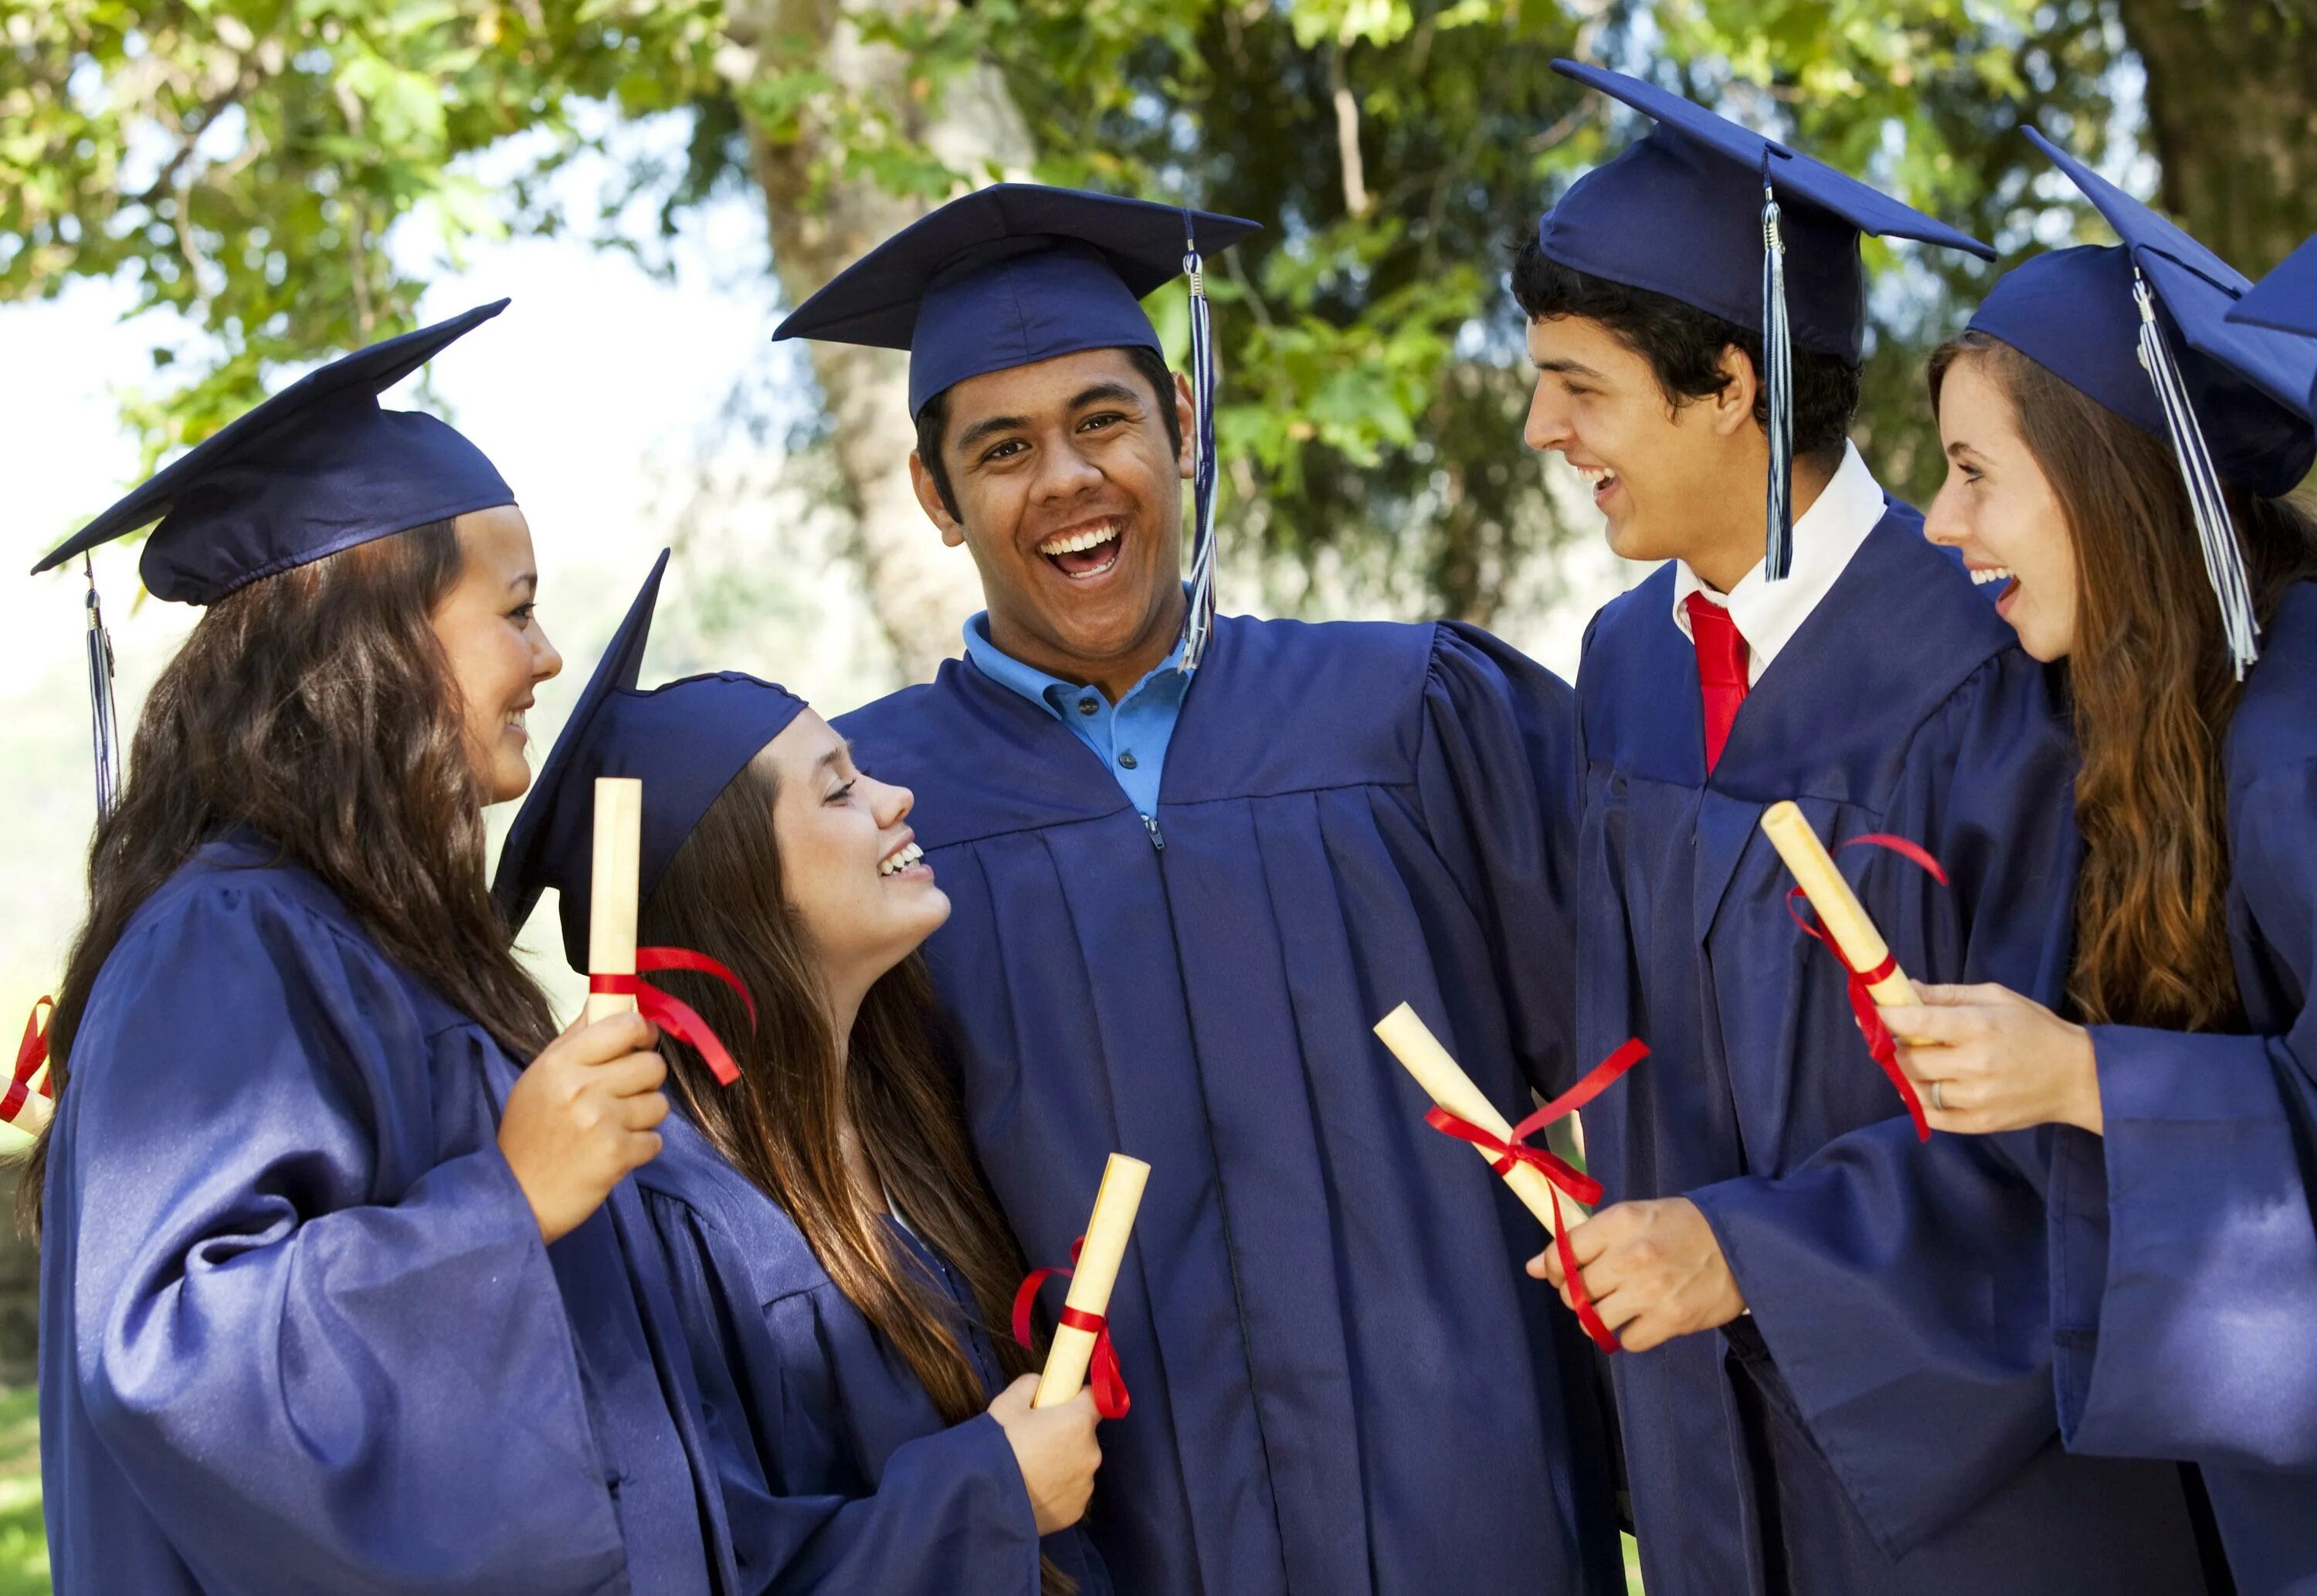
2119, 454
834, 1253
328, 1302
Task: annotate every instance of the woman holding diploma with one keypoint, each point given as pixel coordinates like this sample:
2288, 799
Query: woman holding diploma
2184, 1261
836, 1259
329, 1299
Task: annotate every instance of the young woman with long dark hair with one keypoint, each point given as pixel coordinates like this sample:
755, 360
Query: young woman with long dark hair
835, 1255
328, 1300
2183, 1250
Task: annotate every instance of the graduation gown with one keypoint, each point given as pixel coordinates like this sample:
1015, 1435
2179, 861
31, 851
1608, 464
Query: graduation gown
838, 1471
299, 1330
1342, 1381
1882, 1421
2184, 1240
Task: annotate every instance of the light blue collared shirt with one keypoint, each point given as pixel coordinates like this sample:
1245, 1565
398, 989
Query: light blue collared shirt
1130, 737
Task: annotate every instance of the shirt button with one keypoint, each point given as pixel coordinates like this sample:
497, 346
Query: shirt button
1126, 759
1086, 706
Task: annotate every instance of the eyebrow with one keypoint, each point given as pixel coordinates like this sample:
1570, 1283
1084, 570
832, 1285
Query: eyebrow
1960, 448
1568, 368
1110, 392
841, 751
529, 579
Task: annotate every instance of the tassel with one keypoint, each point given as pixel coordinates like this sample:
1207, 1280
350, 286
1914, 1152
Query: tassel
104, 731
2215, 528
1778, 379
1200, 626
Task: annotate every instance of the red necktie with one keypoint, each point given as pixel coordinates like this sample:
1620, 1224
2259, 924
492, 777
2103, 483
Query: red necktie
1721, 670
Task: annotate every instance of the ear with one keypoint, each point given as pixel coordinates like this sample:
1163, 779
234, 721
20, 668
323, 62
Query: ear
929, 500
1186, 420
1732, 409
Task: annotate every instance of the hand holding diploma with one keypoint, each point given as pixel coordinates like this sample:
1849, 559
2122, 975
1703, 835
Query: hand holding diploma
1989, 1059
1537, 1177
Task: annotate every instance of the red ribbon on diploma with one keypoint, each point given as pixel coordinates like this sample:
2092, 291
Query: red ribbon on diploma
1880, 1042
1110, 1397
32, 1053
680, 1019
1561, 1174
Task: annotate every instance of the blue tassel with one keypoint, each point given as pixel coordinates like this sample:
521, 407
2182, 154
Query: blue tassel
2216, 530
1778, 381
104, 730
1200, 626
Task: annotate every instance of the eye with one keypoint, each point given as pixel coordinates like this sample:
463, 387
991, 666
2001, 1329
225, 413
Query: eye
1971, 473
521, 613
1005, 450
840, 795
1575, 389
1107, 418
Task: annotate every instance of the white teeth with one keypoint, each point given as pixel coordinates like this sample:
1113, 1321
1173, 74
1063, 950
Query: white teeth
901, 858
1596, 474
1981, 578
1081, 541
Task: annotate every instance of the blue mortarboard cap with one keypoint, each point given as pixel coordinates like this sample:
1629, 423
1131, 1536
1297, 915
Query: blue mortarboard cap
317, 468
2145, 328
1679, 213
1721, 218
2286, 301
685, 741
1008, 275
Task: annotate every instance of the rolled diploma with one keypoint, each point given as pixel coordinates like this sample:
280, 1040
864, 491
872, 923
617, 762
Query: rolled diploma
612, 890
1837, 906
1420, 1053
33, 1117
1116, 1202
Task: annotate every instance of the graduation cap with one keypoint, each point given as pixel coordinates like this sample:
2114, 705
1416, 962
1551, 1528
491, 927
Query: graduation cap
686, 740
2285, 301
317, 468
2144, 328
1020, 273
1739, 225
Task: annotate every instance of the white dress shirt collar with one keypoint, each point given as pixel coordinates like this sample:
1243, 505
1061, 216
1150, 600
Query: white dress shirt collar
1770, 613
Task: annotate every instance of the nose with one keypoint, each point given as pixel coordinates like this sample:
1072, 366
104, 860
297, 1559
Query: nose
546, 659
890, 804
1064, 471
1547, 427
1943, 524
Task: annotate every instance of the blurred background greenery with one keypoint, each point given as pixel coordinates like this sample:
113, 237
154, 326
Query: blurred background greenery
257, 182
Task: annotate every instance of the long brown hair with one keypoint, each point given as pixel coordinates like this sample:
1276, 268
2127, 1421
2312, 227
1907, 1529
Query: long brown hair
2152, 690
316, 709
783, 1124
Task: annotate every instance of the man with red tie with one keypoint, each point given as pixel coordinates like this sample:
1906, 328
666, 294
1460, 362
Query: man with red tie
1838, 1369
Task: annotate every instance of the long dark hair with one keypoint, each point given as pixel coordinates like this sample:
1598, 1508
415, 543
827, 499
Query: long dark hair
2153, 691
783, 1124
316, 707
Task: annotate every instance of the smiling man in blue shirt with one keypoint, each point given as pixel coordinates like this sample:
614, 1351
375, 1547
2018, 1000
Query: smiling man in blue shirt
1189, 870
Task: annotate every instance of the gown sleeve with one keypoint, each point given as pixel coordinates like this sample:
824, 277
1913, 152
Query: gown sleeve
2184, 1241
325, 1357
1500, 786
1898, 1287
948, 1512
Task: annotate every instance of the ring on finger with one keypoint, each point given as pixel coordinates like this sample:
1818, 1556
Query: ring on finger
1938, 1096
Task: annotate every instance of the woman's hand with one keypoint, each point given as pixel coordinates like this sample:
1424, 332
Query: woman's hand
1054, 1447
582, 1116
1653, 1270
1984, 1058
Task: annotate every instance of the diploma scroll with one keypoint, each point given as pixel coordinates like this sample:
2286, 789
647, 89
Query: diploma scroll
1444, 1080
1116, 1203
1838, 909
612, 891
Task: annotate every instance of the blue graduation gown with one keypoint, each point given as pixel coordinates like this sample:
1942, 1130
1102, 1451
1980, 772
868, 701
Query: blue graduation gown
298, 1329
2184, 1273
1342, 1380
1882, 1421
837, 1472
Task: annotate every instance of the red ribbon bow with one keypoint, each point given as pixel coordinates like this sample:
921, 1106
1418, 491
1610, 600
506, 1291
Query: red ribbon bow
1110, 1397
1880, 1042
680, 1019
1560, 1175
32, 1053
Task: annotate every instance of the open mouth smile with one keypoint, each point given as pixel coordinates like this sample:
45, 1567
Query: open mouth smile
1600, 479
1087, 551
908, 860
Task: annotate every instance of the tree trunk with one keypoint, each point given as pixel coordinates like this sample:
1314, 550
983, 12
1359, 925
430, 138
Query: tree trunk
921, 590
2232, 118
